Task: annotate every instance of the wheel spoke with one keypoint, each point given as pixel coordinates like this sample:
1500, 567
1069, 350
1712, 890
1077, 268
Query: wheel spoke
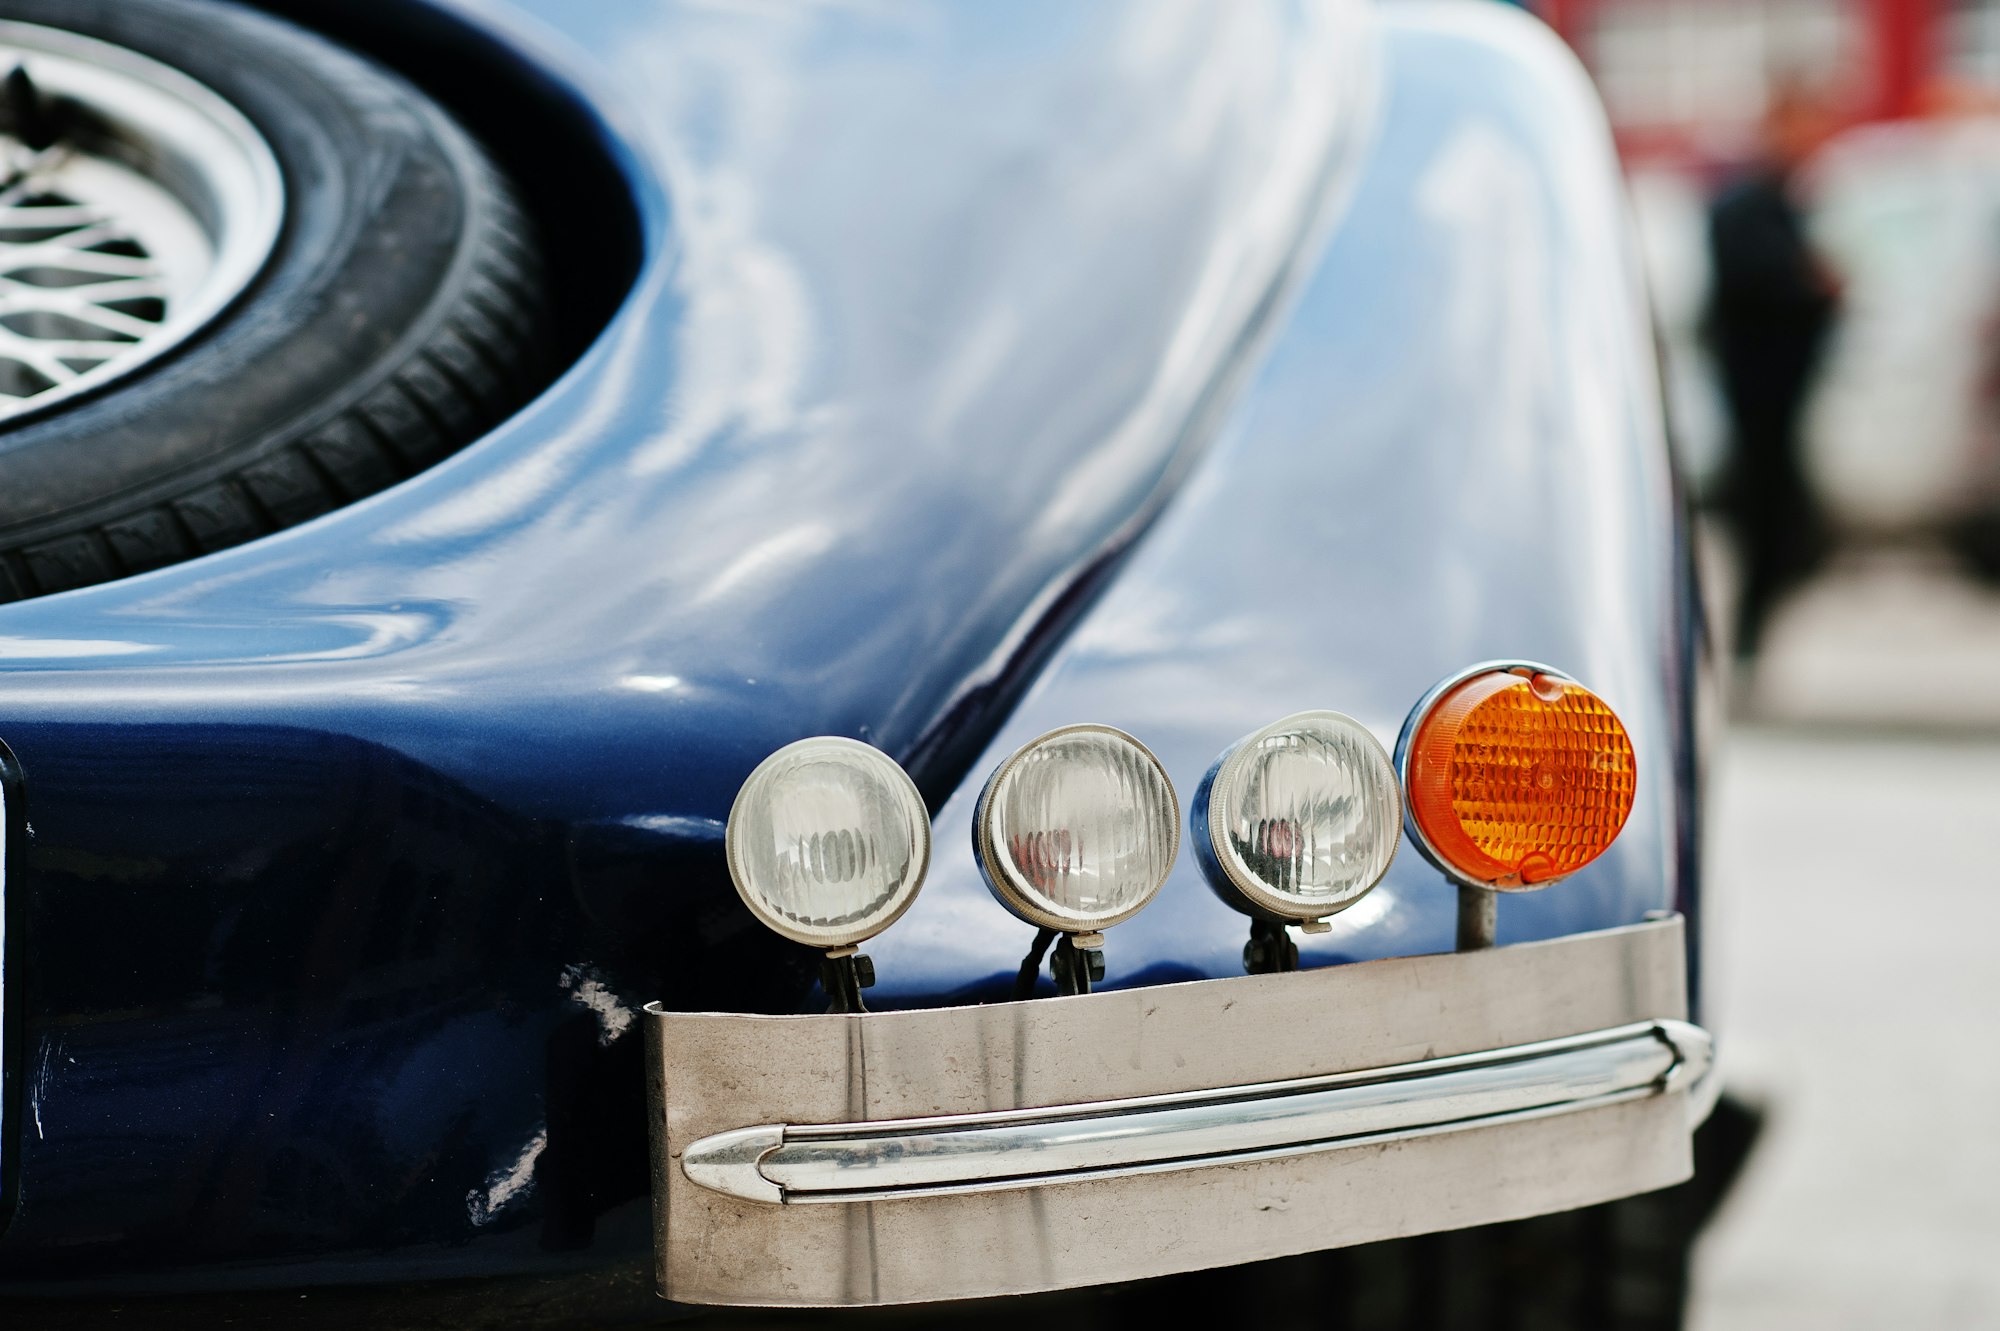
116, 243
72, 252
48, 216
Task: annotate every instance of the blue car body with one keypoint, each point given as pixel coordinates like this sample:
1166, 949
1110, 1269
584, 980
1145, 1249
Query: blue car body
986, 369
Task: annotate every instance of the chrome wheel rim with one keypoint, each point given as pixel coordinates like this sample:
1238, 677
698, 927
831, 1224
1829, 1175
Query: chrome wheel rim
153, 210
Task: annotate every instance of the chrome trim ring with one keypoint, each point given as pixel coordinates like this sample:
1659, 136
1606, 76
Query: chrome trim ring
1402, 760
1018, 902
847, 932
157, 209
1213, 844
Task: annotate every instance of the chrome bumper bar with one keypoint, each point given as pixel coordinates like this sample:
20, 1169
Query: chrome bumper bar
953, 1154
962, 1152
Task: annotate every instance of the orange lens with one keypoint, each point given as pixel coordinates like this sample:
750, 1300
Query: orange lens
1517, 780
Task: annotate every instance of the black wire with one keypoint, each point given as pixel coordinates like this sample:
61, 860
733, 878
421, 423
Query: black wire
1271, 950
1031, 965
842, 982
1071, 967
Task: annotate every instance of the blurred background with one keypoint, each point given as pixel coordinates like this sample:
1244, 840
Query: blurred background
1817, 190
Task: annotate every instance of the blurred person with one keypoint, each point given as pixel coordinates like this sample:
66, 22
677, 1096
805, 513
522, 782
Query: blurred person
1771, 306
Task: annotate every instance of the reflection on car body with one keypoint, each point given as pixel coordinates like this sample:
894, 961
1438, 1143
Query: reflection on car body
1084, 395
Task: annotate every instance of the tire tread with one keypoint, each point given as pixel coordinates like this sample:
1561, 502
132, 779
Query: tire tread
485, 353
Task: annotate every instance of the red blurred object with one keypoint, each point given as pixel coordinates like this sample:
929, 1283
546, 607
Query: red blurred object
1568, 17
1904, 40
1890, 55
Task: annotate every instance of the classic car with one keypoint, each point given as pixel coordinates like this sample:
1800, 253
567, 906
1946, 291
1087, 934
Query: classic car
837, 655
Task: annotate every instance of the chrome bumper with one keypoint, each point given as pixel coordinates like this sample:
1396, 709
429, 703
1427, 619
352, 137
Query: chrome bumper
908, 1156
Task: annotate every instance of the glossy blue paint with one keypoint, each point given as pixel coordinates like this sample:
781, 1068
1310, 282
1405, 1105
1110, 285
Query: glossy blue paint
13, 830
1453, 454
353, 850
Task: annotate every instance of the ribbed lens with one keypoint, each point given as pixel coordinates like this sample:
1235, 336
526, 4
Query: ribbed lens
1303, 817
1079, 829
1519, 778
828, 841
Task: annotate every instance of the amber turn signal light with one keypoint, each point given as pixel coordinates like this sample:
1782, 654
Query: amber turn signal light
1515, 776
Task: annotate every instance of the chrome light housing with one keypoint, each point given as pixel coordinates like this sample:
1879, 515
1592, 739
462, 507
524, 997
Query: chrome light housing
1296, 822
1078, 829
1514, 776
828, 842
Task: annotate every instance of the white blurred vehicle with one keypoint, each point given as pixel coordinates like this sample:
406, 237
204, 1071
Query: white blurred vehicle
1901, 436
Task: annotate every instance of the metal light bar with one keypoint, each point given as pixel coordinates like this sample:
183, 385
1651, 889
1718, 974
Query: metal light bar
941, 1156
1356, 1103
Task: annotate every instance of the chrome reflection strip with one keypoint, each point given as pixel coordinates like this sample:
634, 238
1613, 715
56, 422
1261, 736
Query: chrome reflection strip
941, 1156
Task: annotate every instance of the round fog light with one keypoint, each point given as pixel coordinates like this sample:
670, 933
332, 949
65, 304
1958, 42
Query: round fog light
1299, 820
1078, 829
828, 841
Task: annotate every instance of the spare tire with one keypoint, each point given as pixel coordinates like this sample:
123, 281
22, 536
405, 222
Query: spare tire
255, 277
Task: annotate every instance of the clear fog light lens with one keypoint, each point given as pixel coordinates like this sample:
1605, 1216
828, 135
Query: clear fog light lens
1300, 819
828, 841
1078, 829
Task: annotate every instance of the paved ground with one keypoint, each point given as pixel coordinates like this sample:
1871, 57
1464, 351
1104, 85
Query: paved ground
1890, 641
1857, 868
